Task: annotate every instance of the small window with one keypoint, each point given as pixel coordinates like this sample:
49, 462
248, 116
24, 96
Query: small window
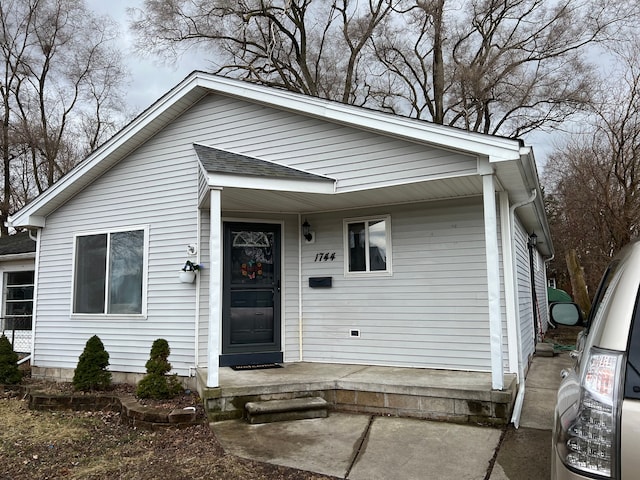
18, 300
109, 273
368, 245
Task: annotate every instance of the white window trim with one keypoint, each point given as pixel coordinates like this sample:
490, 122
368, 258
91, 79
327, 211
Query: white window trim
145, 271
5, 286
367, 274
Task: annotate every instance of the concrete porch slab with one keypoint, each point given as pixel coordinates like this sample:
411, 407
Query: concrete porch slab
458, 396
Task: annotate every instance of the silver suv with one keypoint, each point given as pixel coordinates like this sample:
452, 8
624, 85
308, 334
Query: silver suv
597, 416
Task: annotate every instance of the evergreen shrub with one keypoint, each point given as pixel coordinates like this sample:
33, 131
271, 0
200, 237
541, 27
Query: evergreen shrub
9, 372
91, 372
156, 384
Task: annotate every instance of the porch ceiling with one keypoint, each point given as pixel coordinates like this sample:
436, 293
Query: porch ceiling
247, 200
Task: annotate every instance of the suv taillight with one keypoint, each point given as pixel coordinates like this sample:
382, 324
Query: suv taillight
589, 428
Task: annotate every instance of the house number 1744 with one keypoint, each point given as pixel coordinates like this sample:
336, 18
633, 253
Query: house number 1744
325, 257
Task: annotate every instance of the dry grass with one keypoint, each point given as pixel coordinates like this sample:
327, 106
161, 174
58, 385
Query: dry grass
95, 445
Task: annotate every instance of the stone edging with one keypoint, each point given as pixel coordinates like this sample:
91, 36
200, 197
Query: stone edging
132, 412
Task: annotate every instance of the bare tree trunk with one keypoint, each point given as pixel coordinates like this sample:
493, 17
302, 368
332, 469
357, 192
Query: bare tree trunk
438, 64
578, 285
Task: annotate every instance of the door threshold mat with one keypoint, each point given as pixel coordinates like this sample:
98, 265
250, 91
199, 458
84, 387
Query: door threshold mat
261, 366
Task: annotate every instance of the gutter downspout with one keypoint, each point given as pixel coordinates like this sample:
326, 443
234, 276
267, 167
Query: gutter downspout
517, 406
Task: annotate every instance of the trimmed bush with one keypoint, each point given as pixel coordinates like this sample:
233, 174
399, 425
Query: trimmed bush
91, 372
156, 383
9, 372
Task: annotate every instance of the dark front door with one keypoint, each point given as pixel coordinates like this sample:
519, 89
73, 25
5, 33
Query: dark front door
251, 296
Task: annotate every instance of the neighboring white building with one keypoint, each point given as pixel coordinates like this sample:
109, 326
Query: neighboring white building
416, 253
17, 266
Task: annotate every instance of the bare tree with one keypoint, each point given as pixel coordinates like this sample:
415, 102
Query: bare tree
594, 180
502, 67
310, 47
496, 66
60, 85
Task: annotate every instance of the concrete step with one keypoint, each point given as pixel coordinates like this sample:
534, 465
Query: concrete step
282, 410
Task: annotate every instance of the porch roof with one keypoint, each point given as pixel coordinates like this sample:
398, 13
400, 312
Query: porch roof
215, 160
245, 199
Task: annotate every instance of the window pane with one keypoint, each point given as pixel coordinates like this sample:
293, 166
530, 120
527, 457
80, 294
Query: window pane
357, 242
378, 245
20, 293
19, 308
125, 272
91, 263
17, 323
252, 257
20, 278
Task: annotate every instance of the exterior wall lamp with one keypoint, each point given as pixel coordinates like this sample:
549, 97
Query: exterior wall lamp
306, 231
533, 240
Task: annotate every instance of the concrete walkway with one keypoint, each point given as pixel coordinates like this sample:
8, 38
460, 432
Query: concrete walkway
363, 447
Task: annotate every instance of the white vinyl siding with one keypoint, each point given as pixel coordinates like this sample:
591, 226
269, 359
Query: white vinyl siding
433, 311
318, 146
524, 300
155, 186
204, 252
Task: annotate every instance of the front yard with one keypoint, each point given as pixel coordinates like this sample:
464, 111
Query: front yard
95, 445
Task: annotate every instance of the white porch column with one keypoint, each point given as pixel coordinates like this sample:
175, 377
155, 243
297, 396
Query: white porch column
215, 289
493, 276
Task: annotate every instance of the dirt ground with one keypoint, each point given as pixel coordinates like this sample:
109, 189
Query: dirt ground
562, 337
96, 445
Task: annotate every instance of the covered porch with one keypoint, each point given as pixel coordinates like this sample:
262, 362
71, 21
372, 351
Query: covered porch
288, 197
446, 395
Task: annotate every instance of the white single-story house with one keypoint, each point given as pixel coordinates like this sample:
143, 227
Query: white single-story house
325, 233
17, 267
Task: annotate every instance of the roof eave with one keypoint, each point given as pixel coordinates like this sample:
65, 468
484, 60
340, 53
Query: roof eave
496, 148
270, 183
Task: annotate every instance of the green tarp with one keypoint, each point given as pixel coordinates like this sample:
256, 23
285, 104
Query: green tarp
557, 295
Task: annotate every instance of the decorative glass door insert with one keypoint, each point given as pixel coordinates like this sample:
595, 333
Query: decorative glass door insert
251, 310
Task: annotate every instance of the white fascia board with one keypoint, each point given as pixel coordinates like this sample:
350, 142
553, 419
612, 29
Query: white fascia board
83, 170
270, 183
24, 219
497, 148
18, 256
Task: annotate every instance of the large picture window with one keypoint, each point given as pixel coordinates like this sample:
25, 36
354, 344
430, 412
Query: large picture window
109, 273
368, 245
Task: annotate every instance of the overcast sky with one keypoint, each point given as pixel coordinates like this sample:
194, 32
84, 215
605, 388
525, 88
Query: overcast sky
150, 79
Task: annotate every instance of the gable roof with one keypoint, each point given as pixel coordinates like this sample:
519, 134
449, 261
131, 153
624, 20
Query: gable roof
513, 162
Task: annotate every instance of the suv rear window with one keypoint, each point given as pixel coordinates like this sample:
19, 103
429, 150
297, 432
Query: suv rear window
632, 376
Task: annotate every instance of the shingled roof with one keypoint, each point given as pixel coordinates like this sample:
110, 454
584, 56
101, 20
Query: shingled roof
221, 161
17, 244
